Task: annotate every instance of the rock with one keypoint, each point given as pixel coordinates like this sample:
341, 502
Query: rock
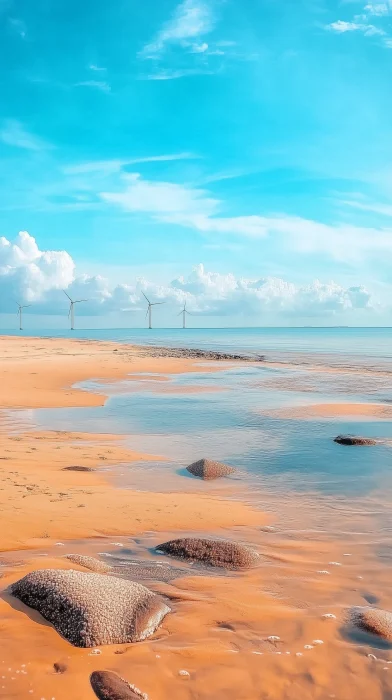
91, 563
222, 553
108, 685
60, 667
92, 609
373, 620
77, 468
208, 469
354, 440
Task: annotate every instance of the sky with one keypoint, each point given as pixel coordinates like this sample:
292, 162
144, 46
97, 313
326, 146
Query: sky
233, 155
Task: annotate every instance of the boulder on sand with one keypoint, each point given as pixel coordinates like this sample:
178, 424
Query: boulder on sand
92, 609
354, 440
373, 620
77, 468
207, 469
108, 685
222, 553
100, 567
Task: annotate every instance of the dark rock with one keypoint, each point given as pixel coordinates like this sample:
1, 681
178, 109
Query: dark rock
92, 609
107, 685
222, 553
59, 667
373, 620
77, 468
207, 469
354, 440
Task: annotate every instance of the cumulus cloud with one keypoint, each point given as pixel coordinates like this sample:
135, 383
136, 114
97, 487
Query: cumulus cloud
29, 275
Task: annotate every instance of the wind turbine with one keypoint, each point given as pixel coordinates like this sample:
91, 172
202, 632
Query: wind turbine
150, 305
19, 313
71, 312
183, 312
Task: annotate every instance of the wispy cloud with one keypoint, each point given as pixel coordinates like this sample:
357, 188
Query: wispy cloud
342, 27
191, 19
175, 74
193, 207
18, 27
111, 166
364, 23
94, 67
13, 133
96, 84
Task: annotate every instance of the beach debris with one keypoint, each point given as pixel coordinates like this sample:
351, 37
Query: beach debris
90, 609
371, 656
317, 642
328, 616
273, 638
117, 544
207, 469
373, 620
324, 571
108, 685
267, 528
77, 468
308, 646
334, 563
354, 440
60, 544
89, 563
95, 652
298, 653
221, 553
184, 674
347, 555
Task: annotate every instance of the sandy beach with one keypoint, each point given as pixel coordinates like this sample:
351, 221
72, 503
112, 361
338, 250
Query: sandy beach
260, 633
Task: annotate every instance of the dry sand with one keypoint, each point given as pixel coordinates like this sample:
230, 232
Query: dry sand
239, 637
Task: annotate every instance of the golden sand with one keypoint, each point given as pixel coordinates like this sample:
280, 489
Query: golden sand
252, 635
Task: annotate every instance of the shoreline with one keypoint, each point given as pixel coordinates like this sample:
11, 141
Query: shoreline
56, 504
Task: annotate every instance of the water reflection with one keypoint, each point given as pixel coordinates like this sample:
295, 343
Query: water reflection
237, 426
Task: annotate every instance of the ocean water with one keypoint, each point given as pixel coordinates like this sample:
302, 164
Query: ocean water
337, 345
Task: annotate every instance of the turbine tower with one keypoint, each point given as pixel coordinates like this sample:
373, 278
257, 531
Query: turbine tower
183, 312
149, 307
19, 313
71, 312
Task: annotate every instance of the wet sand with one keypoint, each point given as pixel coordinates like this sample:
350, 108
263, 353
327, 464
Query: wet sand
336, 410
220, 626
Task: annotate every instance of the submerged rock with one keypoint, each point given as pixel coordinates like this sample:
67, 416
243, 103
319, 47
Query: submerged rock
373, 620
108, 685
222, 553
92, 609
208, 469
90, 563
354, 440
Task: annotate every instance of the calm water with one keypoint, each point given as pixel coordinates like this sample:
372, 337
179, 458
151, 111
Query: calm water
234, 421
346, 345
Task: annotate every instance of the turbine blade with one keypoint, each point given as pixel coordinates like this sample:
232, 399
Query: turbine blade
67, 295
145, 296
157, 303
146, 313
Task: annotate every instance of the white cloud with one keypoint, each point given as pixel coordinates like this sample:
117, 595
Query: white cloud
191, 19
378, 9
101, 85
195, 208
342, 27
175, 74
29, 275
13, 133
93, 66
107, 167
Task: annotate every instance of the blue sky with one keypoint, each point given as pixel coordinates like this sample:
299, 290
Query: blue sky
228, 153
